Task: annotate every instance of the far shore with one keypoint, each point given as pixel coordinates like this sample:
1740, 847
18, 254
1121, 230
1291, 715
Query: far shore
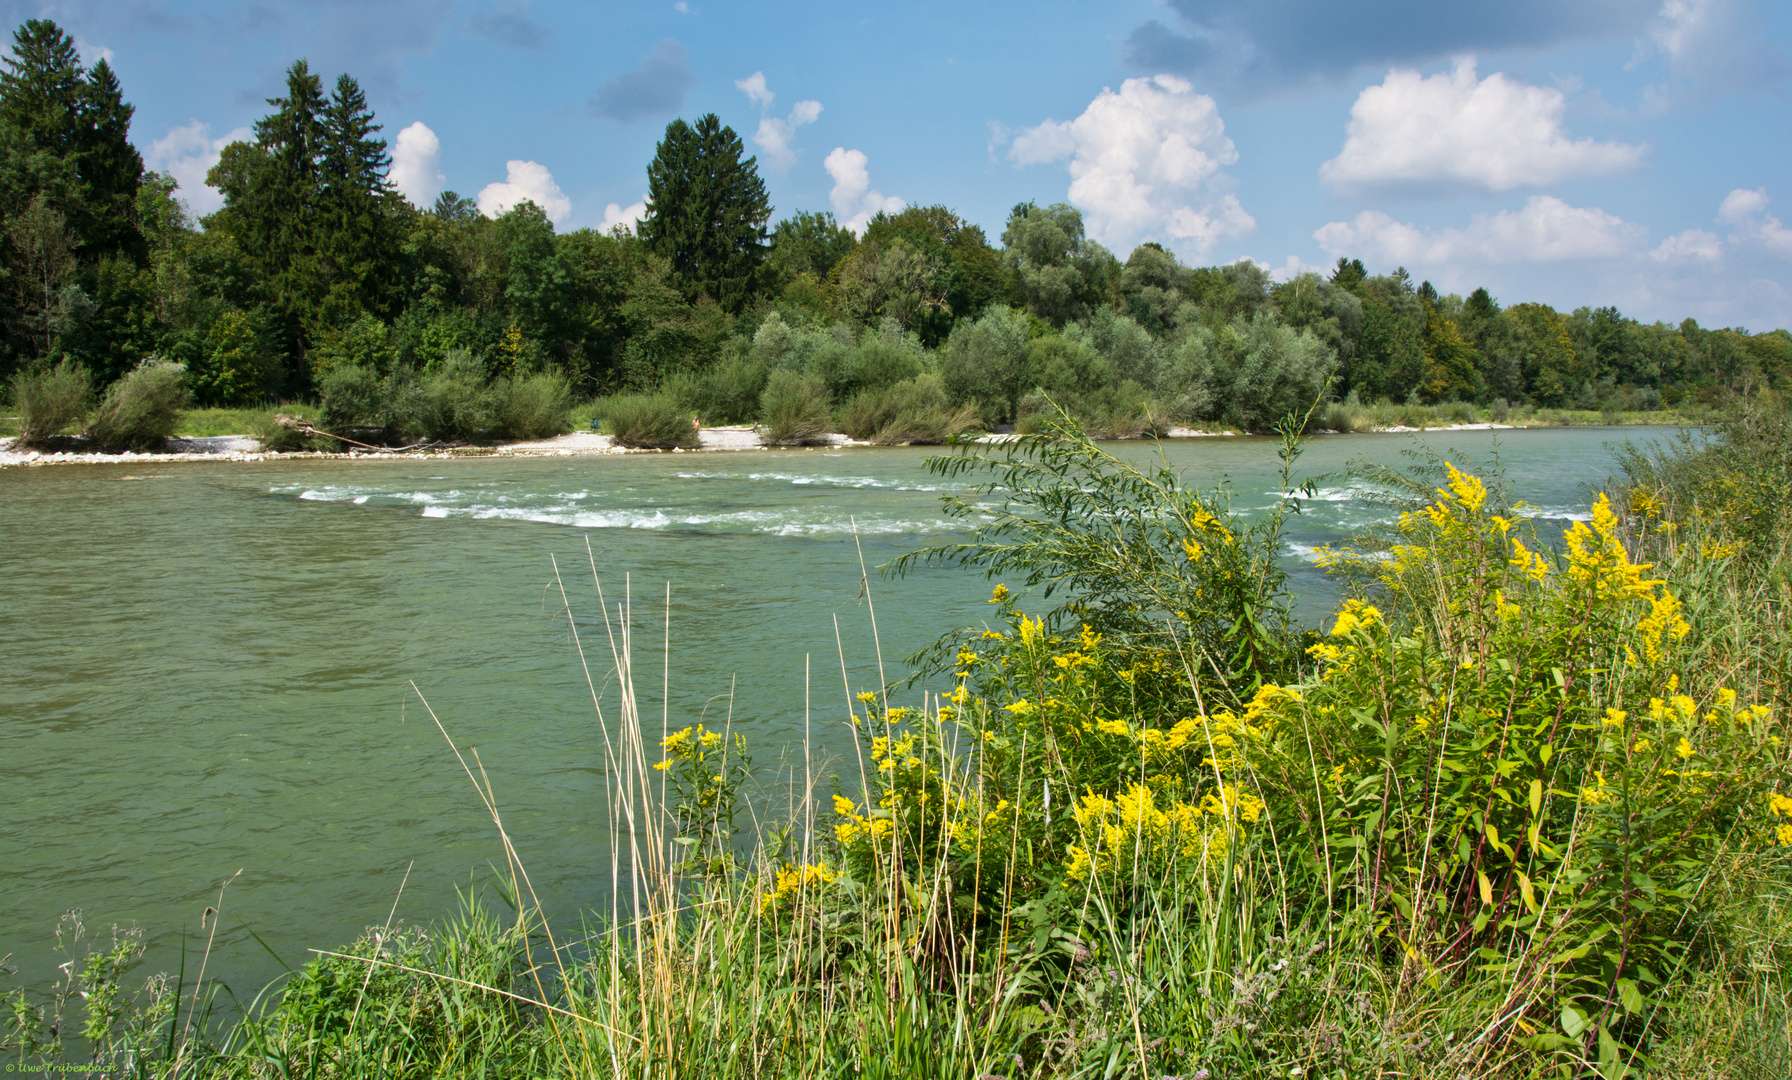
244, 448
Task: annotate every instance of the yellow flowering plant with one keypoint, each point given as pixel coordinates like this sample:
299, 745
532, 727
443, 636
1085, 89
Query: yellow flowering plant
704, 772
1504, 764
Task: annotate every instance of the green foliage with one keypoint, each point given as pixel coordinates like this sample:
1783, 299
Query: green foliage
532, 406
727, 393
793, 410
649, 421
1138, 557
50, 401
985, 364
1059, 273
141, 410
911, 412
706, 211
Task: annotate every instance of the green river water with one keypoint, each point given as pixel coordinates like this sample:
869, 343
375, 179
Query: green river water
207, 666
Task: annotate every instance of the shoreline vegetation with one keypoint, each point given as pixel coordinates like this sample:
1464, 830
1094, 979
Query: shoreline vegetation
1510, 811
224, 435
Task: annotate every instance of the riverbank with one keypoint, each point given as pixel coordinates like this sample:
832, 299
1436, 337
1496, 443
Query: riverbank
731, 438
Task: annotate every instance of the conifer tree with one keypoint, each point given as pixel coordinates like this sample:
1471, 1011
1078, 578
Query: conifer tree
80, 120
707, 210
359, 240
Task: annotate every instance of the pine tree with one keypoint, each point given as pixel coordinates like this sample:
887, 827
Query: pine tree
110, 168
359, 240
706, 211
271, 199
81, 120
42, 88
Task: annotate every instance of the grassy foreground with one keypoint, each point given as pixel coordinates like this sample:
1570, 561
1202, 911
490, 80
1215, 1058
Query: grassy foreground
1512, 812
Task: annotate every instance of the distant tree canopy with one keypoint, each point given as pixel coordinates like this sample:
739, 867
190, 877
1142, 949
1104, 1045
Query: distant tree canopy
315, 262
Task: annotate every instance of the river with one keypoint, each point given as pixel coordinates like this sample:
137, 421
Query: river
208, 666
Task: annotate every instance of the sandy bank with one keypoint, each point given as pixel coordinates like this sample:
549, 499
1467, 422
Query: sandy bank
574, 444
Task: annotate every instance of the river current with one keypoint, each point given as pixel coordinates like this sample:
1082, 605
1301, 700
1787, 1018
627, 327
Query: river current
208, 667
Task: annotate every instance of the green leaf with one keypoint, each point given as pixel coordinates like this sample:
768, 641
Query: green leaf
1573, 1021
1630, 996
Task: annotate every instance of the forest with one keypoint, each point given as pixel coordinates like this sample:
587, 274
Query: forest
316, 265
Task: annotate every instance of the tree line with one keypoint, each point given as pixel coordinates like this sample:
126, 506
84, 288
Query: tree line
315, 262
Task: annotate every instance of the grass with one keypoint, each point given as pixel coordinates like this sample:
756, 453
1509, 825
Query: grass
1354, 417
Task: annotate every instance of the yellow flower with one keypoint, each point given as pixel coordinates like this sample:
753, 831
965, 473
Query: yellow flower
1000, 595
1615, 717
1684, 750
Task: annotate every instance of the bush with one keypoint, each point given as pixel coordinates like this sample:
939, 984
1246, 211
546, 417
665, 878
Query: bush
353, 398
50, 401
453, 402
913, 411
727, 393
649, 421
793, 410
533, 407
284, 438
142, 409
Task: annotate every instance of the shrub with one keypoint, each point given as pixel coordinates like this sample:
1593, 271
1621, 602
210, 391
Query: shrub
141, 409
913, 411
793, 410
727, 393
649, 421
284, 438
50, 401
353, 398
533, 407
453, 401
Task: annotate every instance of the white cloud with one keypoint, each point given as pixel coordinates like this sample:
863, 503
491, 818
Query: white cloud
855, 203
774, 135
1454, 129
525, 180
626, 216
92, 54
1546, 230
1719, 45
417, 165
187, 154
1145, 162
1292, 268
1747, 211
1693, 244
754, 87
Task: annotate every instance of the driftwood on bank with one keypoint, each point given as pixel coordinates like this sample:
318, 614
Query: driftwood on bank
306, 427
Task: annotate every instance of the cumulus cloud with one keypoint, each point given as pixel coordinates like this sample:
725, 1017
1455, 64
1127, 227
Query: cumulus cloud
1719, 45
1271, 44
1546, 230
525, 180
187, 154
1746, 212
1456, 130
626, 216
92, 53
855, 203
508, 24
754, 87
417, 164
1693, 245
656, 88
774, 135
1145, 162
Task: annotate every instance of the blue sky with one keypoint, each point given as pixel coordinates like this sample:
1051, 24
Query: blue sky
1631, 152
